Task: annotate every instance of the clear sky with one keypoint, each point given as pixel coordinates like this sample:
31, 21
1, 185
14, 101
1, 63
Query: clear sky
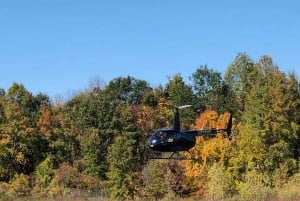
57, 46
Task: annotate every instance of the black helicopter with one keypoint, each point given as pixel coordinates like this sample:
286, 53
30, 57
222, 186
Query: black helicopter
175, 140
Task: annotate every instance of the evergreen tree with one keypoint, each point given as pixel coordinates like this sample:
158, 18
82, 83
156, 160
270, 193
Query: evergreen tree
240, 77
124, 157
181, 94
94, 154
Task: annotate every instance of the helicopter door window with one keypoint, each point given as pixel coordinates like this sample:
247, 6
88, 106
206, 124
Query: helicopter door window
176, 135
171, 137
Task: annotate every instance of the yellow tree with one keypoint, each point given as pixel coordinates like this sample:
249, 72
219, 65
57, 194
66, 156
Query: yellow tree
207, 151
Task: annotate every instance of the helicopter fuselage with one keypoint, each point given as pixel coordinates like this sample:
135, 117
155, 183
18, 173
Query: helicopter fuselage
175, 140
170, 140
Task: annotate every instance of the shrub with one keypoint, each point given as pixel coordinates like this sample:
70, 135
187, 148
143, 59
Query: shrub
4, 187
43, 174
20, 185
290, 190
254, 188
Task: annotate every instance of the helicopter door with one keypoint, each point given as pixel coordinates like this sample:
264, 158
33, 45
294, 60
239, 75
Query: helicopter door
172, 137
176, 136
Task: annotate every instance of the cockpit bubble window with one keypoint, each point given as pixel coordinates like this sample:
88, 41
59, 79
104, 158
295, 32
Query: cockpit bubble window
163, 134
160, 133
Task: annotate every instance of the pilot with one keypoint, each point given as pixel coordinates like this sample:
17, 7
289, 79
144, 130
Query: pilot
163, 137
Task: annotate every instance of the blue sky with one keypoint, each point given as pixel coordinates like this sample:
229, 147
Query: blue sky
57, 46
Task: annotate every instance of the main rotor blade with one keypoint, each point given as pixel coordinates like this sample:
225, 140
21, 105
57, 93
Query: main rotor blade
184, 106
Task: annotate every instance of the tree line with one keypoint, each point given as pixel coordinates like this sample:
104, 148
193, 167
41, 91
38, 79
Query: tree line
97, 140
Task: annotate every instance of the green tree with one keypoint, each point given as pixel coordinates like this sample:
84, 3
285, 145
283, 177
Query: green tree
65, 143
280, 131
210, 90
121, 168
293, 91
181, 94
127, 90
155, 179
267, 135
178, 91
124, 157
29, 103
94, 154
248, 153
240, 77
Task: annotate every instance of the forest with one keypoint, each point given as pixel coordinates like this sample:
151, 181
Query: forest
96, 141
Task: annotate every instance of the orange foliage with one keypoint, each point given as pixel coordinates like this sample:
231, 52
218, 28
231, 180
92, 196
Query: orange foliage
211, 119
206, 120
45, 122
206, 151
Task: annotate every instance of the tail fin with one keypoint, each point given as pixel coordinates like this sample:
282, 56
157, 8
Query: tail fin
228, 130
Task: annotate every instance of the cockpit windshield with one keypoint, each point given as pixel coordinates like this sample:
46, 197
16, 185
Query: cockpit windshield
164, 136
163, 133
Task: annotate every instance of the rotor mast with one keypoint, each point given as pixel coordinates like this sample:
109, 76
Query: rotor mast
176, 123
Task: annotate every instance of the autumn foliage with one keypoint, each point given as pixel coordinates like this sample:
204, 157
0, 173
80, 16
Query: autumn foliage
96, 141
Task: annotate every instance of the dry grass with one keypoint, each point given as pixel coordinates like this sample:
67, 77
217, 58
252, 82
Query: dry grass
65, 198
100, 198
71, 198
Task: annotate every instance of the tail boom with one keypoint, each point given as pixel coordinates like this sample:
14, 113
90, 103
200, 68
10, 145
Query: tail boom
214, 131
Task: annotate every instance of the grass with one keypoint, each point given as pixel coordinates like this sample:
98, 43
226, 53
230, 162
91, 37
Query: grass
99, 198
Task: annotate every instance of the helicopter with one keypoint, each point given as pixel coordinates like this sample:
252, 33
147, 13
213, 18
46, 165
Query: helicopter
175, 140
